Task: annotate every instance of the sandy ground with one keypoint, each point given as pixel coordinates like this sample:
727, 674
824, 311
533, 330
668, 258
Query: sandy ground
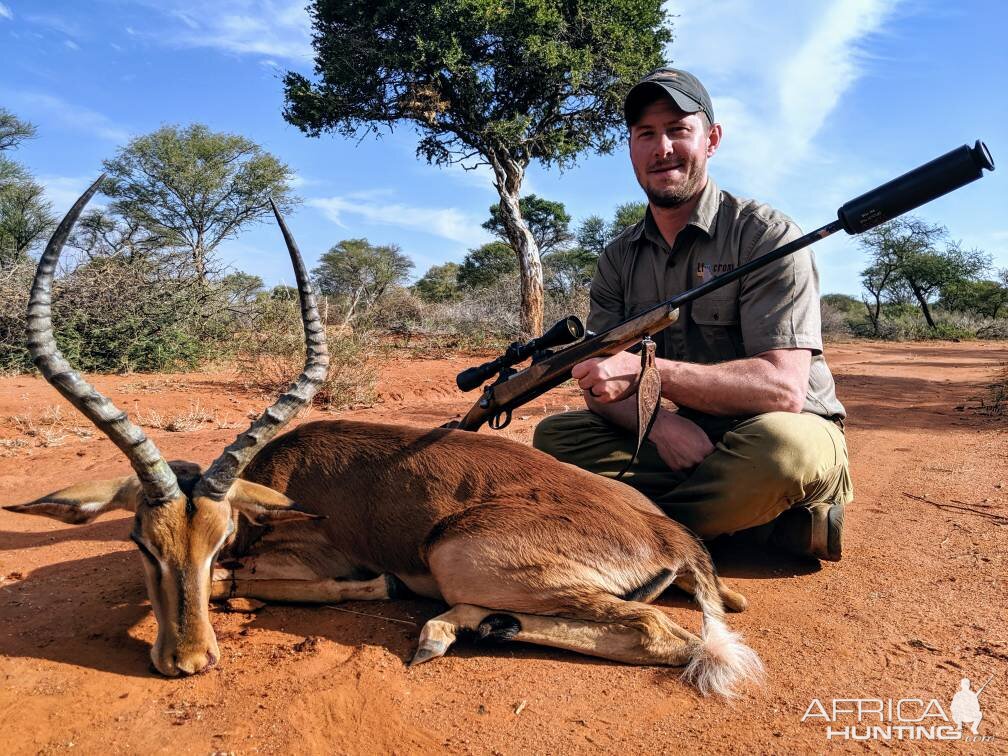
917, 603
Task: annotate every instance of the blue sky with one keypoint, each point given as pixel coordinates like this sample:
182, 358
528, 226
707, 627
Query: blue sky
820, 101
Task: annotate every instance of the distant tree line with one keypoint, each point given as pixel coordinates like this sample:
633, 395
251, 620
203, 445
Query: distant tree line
569, 257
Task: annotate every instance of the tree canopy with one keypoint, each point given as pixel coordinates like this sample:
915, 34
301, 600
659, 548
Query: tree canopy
547, 220
484, 82
439, 283
914, 261
487, 265
358, 273
194, 188
25, 214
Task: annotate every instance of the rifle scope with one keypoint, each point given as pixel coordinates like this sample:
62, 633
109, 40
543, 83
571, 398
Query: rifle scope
564, 331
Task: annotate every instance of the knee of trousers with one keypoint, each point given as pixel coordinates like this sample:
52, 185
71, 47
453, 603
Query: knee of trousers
791, 452
561, 435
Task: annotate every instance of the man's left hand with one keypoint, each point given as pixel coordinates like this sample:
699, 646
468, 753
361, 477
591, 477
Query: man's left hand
608, 379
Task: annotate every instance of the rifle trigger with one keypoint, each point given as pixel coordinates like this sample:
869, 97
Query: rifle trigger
497, 423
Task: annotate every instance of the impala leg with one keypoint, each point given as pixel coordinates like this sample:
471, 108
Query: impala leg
228, 584
733, 600
626, 631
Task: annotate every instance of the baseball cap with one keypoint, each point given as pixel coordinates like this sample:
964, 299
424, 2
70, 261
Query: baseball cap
683, 87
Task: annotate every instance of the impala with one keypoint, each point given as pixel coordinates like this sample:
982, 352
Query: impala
519, 545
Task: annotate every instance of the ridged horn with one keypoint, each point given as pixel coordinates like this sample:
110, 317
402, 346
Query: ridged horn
228, 466
156, 477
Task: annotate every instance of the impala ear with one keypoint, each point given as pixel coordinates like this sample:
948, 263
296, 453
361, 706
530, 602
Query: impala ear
263, 505
85, 501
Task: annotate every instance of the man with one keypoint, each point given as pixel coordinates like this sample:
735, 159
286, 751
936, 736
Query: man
755, 437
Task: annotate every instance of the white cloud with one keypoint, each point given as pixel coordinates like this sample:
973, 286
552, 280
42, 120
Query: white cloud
776, 71
71, 44
272, 28
374, 207
66, 113
54, 22
6, 12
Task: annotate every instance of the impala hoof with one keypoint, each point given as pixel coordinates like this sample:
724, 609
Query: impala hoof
427, 650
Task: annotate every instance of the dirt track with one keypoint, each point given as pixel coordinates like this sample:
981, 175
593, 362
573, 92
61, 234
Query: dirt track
917, 603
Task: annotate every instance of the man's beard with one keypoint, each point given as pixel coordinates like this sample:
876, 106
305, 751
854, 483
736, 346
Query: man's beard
675, 196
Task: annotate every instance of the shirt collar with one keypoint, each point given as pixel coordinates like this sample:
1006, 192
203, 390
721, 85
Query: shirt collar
703, 217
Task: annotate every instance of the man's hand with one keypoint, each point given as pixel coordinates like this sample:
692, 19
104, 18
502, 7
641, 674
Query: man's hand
608, 379
681, 444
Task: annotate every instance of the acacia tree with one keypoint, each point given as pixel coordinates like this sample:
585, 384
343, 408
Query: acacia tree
195, 188
485, 82
548, 222
359, 273
439, 283
101, 234
25, 214
486, 265
907, 261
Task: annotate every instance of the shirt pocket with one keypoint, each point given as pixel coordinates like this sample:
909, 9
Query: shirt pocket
711, 311
715, 336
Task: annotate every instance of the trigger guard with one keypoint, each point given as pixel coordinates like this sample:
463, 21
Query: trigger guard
497, 423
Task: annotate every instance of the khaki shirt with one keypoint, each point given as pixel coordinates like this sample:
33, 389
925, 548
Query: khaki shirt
775, 307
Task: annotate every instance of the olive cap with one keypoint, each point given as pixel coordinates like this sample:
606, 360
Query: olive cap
683, 87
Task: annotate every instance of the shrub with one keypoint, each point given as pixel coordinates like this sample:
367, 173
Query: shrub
119, 314
270, 354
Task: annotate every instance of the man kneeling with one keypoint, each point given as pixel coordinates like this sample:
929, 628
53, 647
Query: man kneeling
756, 435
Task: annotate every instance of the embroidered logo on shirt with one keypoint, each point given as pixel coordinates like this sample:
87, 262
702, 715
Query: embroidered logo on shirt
706, 270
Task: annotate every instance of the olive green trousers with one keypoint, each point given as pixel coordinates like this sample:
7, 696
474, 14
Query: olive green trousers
760, 466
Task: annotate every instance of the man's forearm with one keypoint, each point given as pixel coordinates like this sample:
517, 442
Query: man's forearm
739, 387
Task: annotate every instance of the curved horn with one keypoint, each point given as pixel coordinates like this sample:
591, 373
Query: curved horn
222, 473
156, 477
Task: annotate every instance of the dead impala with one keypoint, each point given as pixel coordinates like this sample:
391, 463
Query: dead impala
519, 545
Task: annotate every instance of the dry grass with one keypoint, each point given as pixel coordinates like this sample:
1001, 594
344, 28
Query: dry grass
191, 419
270, 355
51, 428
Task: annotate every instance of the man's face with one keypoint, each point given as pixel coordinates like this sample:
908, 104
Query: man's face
669, 151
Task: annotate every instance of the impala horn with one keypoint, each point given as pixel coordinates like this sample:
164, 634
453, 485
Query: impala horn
228, 466
156, 477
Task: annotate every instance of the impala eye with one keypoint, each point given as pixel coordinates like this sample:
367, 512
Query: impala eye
146, 552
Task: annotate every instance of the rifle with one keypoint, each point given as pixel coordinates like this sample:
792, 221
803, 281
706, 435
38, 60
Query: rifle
550, 368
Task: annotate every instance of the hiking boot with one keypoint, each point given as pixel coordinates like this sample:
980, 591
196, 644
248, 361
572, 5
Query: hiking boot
815, 531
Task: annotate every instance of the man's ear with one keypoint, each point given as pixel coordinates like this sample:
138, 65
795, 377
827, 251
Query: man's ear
263, 505
85, 501
714, 139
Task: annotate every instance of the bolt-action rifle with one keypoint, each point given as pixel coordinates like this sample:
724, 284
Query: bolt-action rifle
550, 366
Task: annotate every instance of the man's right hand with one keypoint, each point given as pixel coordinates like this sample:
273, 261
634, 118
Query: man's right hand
681, 443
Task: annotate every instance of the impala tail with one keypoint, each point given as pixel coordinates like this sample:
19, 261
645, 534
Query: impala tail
721, 661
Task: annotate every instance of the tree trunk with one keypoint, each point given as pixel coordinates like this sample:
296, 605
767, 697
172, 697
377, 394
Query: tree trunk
922, 301
509, 176
351, 309
199, 259
873, 314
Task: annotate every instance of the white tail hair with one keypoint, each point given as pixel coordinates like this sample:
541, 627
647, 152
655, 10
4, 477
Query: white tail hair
720, 661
